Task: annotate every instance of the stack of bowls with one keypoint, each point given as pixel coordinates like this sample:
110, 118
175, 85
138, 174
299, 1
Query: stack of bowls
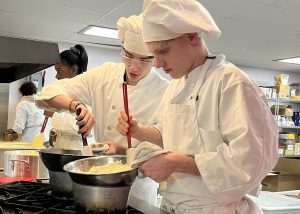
100, 193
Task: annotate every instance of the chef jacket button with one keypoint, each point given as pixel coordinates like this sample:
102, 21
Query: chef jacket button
108, 127
192, 85
113, 107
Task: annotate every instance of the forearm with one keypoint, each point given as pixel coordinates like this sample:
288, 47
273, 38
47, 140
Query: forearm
149, 134
61, 102
186, 164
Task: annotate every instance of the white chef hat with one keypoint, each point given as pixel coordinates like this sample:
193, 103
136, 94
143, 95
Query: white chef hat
130, 35
169, 19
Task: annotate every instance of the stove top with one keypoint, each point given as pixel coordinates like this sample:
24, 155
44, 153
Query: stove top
23, 197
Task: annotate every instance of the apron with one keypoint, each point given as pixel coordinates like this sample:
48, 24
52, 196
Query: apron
184, 193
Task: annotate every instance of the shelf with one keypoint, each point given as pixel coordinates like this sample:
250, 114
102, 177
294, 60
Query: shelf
284, 100
289, 156
289, 127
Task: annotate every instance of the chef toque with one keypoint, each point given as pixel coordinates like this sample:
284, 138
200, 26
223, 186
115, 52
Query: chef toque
169, 19
130, 35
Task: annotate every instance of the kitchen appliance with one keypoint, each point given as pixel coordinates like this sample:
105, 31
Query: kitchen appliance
24, 163
36, 198
21, 57
107, 193
54, 160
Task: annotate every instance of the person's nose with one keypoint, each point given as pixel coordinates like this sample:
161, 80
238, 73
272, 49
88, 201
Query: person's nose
158, 63
134, 64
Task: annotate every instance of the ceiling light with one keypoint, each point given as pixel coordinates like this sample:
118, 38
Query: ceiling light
293, 60
100, 31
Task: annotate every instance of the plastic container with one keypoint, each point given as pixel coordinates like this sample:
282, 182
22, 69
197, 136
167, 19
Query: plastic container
278, 202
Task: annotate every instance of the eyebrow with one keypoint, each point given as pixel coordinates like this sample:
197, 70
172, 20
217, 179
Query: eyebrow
148, 57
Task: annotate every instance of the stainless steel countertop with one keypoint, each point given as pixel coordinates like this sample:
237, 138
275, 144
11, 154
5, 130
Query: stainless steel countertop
144, 207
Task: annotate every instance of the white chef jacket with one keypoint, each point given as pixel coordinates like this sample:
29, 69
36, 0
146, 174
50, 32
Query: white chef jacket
29, 119
101, 88
219, 116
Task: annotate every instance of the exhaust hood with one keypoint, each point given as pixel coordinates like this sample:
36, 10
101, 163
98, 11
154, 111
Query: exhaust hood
21, 57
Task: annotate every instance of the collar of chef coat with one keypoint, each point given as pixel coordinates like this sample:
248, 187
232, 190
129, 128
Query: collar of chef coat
146, 80
28, 98
196, 74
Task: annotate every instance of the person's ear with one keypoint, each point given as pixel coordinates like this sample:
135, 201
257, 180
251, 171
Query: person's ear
193, 38
74, 70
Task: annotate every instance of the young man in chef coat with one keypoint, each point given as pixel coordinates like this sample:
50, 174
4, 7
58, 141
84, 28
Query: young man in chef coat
101, 88
214, 120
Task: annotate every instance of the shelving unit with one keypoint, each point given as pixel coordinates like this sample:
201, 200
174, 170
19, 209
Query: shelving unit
289, 156
296, 108
289, 127
284, 100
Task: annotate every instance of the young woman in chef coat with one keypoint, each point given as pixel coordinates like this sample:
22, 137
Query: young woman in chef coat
101, 88
29, 118
214, 120
64, 132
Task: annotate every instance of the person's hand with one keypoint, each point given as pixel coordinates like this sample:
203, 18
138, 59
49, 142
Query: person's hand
85, 120
48, 113
115, 148
161, 167
125, 124
100, 148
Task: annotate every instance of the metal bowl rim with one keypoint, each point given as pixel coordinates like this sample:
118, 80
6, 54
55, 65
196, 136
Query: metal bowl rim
100, 157
44, 151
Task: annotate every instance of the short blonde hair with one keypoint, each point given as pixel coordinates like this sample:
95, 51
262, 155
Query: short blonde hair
158, 44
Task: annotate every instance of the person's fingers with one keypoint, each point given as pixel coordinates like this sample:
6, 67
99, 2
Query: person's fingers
124, 115
122, 130
88, 126
83, 111
123, 123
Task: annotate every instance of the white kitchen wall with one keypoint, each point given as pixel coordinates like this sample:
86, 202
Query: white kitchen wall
4, 89
13, 99
265, 77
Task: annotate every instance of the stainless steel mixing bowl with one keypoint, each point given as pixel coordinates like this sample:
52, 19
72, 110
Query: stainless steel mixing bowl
109, 180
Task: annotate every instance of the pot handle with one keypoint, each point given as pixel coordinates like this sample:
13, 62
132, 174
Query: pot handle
12, 166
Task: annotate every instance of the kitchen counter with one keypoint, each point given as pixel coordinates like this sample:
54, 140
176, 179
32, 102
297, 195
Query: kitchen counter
144, 207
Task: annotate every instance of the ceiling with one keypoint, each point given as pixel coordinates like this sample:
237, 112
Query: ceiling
254, 32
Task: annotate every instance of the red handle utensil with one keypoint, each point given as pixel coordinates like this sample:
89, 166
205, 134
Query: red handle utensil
84, 141
125, 98
44, 124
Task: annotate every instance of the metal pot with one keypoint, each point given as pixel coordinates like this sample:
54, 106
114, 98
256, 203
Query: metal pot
24, 163
100, 193
97, 199
9, 146
55, 159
